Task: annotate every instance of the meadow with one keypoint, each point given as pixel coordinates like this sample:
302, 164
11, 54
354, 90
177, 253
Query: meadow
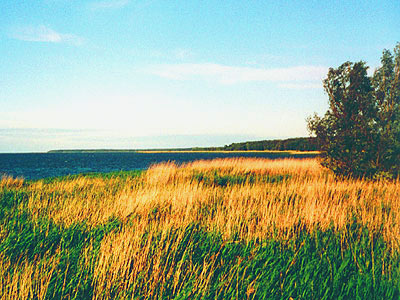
237, 228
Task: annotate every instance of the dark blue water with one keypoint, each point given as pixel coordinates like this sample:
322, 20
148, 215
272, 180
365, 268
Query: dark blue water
43, 165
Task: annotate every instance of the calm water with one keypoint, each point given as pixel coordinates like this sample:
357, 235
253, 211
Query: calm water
42, 165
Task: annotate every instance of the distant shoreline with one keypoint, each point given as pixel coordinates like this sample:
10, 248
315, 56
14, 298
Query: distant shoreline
185, 151
232, 151
302, 145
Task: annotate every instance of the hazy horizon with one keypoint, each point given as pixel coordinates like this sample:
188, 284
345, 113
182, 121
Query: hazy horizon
55, 139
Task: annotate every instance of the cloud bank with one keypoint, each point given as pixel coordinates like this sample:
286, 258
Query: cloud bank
293, 77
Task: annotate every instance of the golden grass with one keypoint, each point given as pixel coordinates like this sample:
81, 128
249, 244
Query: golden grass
232, 151
312, 198
168, 195
9, 181
26, 280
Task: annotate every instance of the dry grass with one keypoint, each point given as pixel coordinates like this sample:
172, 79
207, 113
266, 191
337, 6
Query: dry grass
168, 195
9, 181
232, 151
26, 280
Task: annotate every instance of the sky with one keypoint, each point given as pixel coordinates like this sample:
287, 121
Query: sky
125, 74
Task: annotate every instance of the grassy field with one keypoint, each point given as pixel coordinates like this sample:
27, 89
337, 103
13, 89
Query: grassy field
220, 229
291, 152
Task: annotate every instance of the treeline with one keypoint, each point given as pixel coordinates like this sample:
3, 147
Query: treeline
297, 144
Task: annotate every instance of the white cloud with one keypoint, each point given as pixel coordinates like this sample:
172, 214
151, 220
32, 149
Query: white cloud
109, 4
42, 33
230, 75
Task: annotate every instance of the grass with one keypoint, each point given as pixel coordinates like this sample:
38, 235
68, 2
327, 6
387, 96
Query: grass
220, 229
291, 152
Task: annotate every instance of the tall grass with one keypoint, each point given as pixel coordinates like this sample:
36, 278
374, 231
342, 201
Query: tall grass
226, 228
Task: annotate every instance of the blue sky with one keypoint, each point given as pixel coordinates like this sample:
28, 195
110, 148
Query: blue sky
149, 74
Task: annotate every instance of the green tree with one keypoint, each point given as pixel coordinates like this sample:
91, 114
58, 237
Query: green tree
360, 132
386, 85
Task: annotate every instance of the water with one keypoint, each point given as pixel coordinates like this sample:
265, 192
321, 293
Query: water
43, 165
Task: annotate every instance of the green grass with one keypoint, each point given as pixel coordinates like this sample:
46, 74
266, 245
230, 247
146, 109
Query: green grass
351, 264
108, 175
216, 179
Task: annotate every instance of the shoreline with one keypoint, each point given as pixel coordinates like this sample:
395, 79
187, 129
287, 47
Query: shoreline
232, 151
294, 152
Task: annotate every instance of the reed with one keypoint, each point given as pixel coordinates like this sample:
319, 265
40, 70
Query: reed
9, 181
203, 229
26, 280
306, 198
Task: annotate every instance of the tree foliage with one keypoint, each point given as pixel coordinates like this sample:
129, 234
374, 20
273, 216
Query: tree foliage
300, 144
360, 132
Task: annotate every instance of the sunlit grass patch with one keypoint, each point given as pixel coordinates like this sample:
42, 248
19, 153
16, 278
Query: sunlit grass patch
9, 181
220, 229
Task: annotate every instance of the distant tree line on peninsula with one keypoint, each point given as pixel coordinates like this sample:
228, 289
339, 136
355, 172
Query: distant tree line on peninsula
297, 144
291, 144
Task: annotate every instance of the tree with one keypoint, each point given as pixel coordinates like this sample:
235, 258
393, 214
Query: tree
360, 132
386, 85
